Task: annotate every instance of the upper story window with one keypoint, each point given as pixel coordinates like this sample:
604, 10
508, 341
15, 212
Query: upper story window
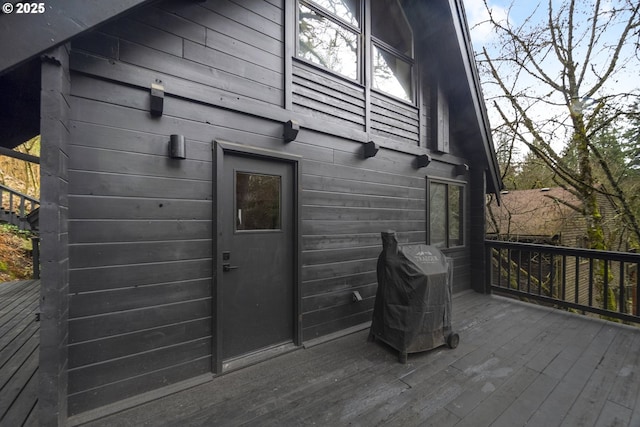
392, 46
329, 35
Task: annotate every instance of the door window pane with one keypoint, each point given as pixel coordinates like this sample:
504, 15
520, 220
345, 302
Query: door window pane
257, 201
390, 25
326, 43
438, 215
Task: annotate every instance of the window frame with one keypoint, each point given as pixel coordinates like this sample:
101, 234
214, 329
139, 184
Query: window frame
366, 43
382, 45
359, 31
463, 207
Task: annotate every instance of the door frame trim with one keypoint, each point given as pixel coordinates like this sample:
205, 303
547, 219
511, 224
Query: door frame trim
220, 149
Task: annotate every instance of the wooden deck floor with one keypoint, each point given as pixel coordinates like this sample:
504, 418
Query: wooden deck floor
19, 341
517, 364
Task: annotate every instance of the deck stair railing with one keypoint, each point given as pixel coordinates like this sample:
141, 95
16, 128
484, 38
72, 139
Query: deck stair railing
605, 283
18, 209
23, 212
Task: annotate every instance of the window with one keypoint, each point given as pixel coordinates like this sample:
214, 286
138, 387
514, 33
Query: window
329, 35
392, 45
257, 202
446, 214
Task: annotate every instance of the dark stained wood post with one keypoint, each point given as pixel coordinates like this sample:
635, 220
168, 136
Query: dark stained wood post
477, 190
54, 299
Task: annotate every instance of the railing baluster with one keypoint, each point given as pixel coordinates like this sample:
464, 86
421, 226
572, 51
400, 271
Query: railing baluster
529, 272
637, 306
519, 268
606, 285
590, 282
499, 267
622, 302
552, 272
509, 268
577, 284
539, 273
564, 277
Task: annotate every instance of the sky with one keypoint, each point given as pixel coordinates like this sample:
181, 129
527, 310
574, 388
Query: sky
516, 12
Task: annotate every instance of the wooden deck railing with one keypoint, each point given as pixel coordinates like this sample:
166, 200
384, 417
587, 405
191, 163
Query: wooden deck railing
602, 282
16, 206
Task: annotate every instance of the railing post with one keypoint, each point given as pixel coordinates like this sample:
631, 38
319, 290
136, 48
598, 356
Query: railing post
35, 252
488, 271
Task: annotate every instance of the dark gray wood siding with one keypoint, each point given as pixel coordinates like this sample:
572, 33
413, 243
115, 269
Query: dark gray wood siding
141, 244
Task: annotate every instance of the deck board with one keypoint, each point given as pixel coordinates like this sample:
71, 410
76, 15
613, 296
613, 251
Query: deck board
19, 342
516, 364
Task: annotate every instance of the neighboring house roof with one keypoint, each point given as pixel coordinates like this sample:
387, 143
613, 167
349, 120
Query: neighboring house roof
530, 213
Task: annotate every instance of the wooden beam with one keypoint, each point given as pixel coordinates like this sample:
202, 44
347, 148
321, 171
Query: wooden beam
18, 155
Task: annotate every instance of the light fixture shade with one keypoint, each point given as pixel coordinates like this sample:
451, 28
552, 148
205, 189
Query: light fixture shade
291, 129
422, 161
177, 147
370, 149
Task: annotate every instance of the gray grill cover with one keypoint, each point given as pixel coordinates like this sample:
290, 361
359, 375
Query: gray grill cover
412, 309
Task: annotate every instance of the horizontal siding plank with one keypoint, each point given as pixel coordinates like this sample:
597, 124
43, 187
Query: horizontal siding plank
107, 325
335, 321
96, 375
96, 351
134, 252
102, 184
337, 269
270, 25
364, 171
321, 78
326, 198
326, 183
266, 70
325, 256
130, 141
92, 303
329, 95
358, 227
392, 132
172, 23
113, 392
327, 103
359, 214
338, 298
321, 111
189, 70
143, 34
95, 207
219, 22
390, 124
97, 43
328, 241
122, 276
122, 163
333, 284
269, 10
245, 49
397, 110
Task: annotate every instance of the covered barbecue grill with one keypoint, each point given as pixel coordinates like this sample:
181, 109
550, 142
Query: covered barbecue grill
412, 309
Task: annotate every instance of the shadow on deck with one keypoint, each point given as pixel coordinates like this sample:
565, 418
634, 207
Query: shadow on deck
516, 364
19, 341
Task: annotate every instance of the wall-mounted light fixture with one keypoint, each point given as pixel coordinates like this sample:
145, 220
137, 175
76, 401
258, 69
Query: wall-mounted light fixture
422, 161
177, 147
461, 169
291, 129
370, 149
157, 99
